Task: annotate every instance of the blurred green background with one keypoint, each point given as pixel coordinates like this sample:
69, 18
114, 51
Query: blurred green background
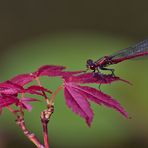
34, 33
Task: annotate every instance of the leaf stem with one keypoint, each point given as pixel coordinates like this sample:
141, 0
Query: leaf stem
21, 109
39, 83
12, 111
54, 95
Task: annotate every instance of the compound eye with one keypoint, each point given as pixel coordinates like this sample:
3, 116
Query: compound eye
89, 62
92, 67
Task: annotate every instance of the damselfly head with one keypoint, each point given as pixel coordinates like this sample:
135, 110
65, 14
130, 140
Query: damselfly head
90, 64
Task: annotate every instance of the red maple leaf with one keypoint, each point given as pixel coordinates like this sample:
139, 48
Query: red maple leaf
8, 100
8, 88
54, 71
22, 79
97, 78
46, 69
78, 97
34, 89
25, 103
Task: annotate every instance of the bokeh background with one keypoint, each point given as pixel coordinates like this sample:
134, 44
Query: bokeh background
34, 33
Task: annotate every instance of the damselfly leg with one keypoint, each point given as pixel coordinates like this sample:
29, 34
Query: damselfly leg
112, 70
100, 77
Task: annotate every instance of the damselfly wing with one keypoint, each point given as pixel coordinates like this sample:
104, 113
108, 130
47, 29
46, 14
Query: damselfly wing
137, 50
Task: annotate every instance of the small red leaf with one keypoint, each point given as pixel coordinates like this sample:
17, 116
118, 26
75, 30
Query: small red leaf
28, 99
7, 100
24, 102
8, 88
34, 89
44, 70
22, 79
62, 73
94, 78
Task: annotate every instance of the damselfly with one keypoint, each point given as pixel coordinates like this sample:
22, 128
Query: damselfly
137, 50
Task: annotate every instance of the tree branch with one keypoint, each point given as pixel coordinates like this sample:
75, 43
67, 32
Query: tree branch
31, 136
45, 116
